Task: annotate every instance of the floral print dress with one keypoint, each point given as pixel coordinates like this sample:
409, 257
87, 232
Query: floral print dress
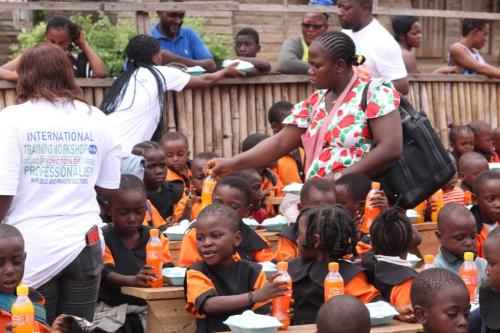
348, 137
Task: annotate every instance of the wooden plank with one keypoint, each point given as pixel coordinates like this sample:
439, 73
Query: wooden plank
150, 294
208, 120
435, 13
199, 123
217, 120
227, 136
207, 6
235, 120
51, 6
169, 316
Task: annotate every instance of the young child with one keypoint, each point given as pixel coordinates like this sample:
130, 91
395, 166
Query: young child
221, 285
343, 314
326, 234
461, 139
314, 193
496, 140
176, 149
290, 168
246, 47
440, 301
125, 251
486, 211
486, 319
167, 197
237, 194
456, 231
483, 140
257, 212
469, 166
387, 267
452, 192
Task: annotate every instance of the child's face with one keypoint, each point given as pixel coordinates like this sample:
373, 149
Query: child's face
474, 168
488, 200
198, 174
306, 253
12, 258
317, 198
156, 169
245, 46
464, 142
177, 153
128, 210
484, 140
344, 198
492, 256
255, 182
59, 37
216, 241
458, 235
232, 197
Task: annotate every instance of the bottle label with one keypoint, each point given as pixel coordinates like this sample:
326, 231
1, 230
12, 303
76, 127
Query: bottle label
334, 291
470, 280
25, 319
153, 255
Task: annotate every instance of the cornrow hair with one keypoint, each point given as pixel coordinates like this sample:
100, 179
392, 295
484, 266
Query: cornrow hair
335, 227
340, 46
455, 130
60, 22
391, 233
141, 148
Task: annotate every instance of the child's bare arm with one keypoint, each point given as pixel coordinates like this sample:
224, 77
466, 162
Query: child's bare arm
117, 280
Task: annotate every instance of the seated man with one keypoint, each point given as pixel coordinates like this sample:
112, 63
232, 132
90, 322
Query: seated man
178, 44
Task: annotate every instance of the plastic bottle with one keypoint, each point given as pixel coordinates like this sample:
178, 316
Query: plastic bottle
428, 262
23, 312
154, 257
334, 284
468, 273
370, 212
438, 199
281, 304
206, 191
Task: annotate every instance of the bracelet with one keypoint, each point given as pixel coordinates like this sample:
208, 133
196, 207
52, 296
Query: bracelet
251, 300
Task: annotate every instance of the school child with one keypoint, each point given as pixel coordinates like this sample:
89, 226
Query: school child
176, 149
386, 265
125, 254
246, 47
486, 210
237, 194
254, 179
483, 140
456, 231
221, 285
290, 168
343, 314
461, 139
440, 301
314, 193
469, 166
452, 192
486, 319
326, 234
496, 140
167, 197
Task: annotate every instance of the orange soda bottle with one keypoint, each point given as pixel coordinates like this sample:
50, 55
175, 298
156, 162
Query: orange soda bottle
281, 304
23, 312
206, 191
438, 199
370, 212
428, 262
468, 273
334, 284
154, 257
420, 209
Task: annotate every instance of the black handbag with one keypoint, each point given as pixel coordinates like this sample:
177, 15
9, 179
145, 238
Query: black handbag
423, 167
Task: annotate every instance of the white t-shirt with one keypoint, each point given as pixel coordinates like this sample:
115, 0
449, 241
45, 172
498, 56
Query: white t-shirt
137, 117
382, 52
52, 156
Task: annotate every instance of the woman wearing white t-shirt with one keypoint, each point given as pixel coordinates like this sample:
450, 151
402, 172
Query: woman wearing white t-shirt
135, 100
57, 152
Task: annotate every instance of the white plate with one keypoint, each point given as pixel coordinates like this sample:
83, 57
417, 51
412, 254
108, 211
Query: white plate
243, 66
195, 70
250, 322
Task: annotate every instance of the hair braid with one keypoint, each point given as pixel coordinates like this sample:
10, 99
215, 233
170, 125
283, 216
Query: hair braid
391, 233
340, 46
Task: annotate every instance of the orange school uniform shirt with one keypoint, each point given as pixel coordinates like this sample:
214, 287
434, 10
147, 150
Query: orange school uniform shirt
482, 230
152, 217
290, 168
270, 180
287, 243
186, 181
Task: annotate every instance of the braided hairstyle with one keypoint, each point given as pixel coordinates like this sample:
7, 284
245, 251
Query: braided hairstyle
141, 148
335, 227
340, 46
455, 130
391, 233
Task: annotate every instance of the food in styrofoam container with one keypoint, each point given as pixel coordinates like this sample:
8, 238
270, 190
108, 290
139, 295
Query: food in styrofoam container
195, 70
177, 232
381, 313
268, 268
412, 215
250, 322
243, 66
174, 275
294, 188
250, 222
413, 259
275, 224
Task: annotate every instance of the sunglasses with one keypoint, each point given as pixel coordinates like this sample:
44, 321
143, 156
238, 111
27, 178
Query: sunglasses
308, 26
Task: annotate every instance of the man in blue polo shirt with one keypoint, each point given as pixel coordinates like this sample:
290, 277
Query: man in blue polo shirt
178, 44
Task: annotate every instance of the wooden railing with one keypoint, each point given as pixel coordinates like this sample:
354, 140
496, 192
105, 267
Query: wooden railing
217, 119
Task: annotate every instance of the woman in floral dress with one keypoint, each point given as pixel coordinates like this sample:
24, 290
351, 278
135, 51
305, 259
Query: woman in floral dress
354, 140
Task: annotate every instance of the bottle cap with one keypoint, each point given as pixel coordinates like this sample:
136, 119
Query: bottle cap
428, 259
282, 266
22, 290
154, 233
333, 266
468, 256
375, 185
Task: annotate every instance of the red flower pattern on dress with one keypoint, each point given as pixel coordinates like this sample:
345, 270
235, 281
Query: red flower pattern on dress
346, 121
372, 109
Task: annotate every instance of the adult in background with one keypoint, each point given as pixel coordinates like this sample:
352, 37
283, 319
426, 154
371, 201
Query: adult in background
353, 140
465, 53
57, 152
295, 50
383, 54
179, 44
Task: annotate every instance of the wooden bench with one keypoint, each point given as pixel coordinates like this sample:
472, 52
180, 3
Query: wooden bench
430, 244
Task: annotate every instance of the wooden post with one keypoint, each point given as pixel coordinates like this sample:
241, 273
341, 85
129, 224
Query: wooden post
207, 121
217, 120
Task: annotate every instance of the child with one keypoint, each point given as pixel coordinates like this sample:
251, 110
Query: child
343, 314
456, 231
314, 193
246, 47
237, 194
440, 301
167, 197
452, 192
326, 234
483, 140
469, 166
496, 140
176, 149
221, 285
257, 212
290, 168
125, 252
461, 139
387, 267
486, 211
486, 319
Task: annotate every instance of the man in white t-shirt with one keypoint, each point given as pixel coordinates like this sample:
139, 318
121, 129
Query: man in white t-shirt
382, 52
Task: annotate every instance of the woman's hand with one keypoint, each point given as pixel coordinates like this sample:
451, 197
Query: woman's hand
219, 167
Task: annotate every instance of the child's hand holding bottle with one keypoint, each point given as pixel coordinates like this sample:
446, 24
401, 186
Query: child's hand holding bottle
145, 275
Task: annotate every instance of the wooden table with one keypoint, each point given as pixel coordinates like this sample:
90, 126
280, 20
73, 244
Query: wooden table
430, 244
394, 327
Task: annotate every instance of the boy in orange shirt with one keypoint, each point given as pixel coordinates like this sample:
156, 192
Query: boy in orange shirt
176, 148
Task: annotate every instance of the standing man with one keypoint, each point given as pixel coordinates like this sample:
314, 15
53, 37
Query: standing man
382, 52
178, 44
